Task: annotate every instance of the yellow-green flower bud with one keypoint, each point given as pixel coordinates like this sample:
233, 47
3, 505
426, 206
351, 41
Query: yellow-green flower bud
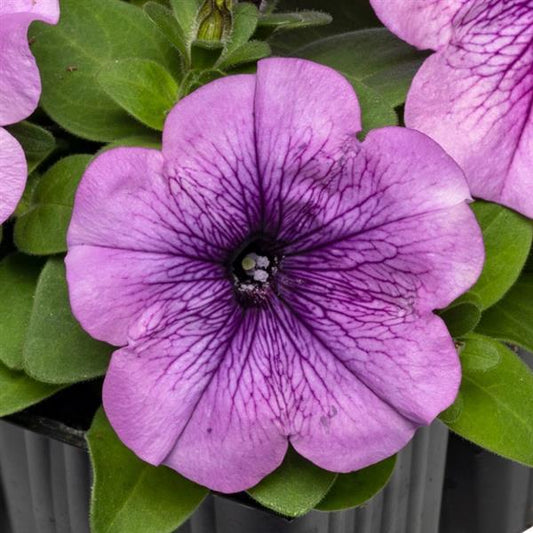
214, 20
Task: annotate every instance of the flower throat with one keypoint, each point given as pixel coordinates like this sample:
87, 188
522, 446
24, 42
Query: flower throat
253, 272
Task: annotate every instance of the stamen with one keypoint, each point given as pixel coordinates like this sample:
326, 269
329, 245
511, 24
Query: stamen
254, 272
255, 266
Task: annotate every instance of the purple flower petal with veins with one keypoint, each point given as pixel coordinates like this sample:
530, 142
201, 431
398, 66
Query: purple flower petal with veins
20, 88
475, 95
271, 279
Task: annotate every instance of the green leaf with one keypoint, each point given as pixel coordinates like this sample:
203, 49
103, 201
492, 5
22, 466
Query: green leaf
355, 488
91, 34
494, 407
239, 49
143, 141
375, 58
245, 18
37, 142
348, 16
294, 21
462, 315
130, 495
25, 202
164, 19
529, 263
186, 12
18, 391
142, 3
198, 78
507, 236
18, 279
57, 350
142, 87
295, 487
247, 53
205, 54
379, 66
511, 319
42, 228
376, 112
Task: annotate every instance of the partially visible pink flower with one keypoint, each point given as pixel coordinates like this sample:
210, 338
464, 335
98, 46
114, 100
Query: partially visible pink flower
20, 88
271, 279
475, 95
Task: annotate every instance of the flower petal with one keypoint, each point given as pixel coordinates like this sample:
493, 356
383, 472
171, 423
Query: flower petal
193, 393
397, 241
21, 85
208, 146
475, 98
305, 117
408, 359
45, 10
422, 23
130, 242
110, 288
13, 171
397, 219
126, 201
334, 418
226, 387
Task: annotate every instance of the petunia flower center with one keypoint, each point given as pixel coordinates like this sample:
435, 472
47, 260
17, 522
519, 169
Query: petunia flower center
253, 272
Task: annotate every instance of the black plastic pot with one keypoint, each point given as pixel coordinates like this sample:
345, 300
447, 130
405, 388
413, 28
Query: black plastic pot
484, 493
46, 483
46, 488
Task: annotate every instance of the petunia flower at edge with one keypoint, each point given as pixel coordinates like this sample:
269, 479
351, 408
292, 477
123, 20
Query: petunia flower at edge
20, 88
271, 279
474, 96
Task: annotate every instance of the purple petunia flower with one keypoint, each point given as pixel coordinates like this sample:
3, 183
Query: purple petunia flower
475, 95
20, 88
272, 279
